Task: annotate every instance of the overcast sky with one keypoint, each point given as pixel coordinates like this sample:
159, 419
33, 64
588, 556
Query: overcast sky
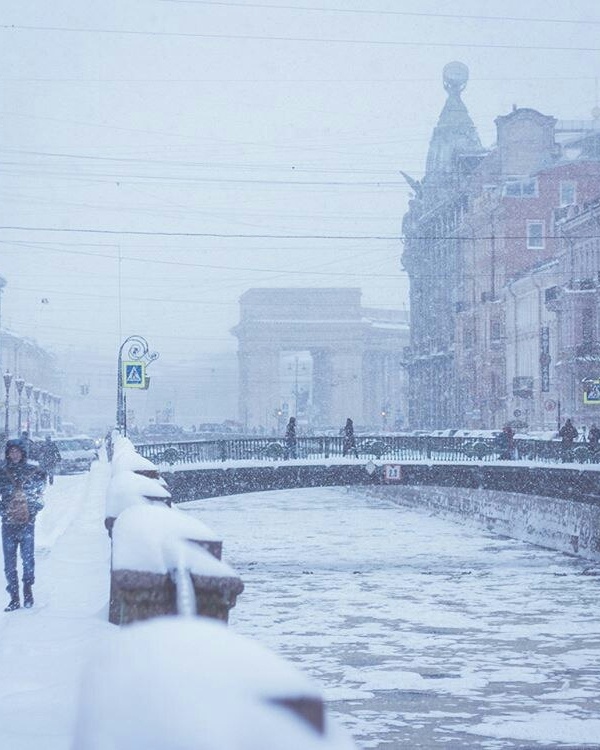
204, 148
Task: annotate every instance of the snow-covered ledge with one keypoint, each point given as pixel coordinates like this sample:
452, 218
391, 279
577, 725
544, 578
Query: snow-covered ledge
190, 683
165, 562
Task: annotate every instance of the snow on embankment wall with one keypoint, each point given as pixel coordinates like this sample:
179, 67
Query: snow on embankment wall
566, 525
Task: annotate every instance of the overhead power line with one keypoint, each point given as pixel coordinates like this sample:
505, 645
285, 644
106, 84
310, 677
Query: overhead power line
318, 40
248, 236
214, 235
403, 13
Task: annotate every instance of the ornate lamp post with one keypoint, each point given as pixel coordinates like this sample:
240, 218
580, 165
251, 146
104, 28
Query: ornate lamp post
36, 400
28, 389
7, 381
57, 420
19, 383
137, 353
44, 409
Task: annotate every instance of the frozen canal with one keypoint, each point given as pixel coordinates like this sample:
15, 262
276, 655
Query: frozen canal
422, 633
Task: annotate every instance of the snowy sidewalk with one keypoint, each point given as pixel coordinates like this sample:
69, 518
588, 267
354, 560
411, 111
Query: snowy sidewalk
43, 649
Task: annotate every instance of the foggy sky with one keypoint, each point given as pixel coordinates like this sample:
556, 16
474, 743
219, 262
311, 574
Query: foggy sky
220, 146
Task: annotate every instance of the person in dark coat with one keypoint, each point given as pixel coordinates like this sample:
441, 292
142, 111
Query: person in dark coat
594, 439
506, 442
568, 433
290, 439
48, 457
349, 443
21, 488
29, 444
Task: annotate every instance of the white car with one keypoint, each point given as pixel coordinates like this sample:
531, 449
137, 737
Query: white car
76, 454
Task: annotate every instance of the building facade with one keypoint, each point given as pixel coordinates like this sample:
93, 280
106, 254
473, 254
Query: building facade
501, 217
320, 356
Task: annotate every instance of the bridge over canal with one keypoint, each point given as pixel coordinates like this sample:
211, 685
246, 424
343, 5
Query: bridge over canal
543, 496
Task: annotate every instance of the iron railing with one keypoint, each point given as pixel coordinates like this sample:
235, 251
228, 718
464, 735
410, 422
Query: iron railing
374, 447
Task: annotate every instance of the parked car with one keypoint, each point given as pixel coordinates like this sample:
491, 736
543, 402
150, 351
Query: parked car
76, 454
162, 432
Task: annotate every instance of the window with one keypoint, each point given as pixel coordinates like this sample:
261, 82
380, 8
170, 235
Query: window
495, 330
535, 235
468, 337
567, 193
587, 325
521, 188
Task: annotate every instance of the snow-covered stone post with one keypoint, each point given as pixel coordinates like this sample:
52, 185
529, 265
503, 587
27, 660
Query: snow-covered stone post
164, 562
193, 683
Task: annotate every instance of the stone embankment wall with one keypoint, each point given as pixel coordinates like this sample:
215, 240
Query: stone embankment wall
553, 506
571, 526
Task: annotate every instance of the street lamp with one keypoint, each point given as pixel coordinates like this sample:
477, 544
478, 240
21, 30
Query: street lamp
28, 389
2, 285
36, 400
44, 411
19, 383
138, 354
57, 420
7, 381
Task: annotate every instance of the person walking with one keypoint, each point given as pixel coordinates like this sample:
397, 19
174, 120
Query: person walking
506, 441
290, 439
349, 443
48, 457
568, 433
21, 488
594, 439
29, 444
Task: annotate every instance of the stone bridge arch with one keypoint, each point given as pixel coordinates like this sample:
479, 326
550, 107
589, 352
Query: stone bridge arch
353, 356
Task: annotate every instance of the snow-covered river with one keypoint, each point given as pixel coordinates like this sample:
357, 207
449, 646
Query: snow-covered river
422, 633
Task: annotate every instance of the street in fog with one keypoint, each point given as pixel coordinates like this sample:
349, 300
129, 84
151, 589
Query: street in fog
421, 632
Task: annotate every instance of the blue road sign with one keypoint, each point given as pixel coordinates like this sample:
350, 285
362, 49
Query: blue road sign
134, 375
591, 393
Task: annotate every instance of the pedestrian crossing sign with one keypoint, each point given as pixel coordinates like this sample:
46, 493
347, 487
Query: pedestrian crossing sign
591, 393
134, 375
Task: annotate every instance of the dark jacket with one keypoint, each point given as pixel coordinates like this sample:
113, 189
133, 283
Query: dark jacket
290, 432
24, 475
349, 443
568, 433
48, 455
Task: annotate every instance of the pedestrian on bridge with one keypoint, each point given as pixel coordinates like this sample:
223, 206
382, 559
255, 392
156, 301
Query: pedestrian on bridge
506, 443
568, 433
21, 487
594, 439
349, 444
291, 450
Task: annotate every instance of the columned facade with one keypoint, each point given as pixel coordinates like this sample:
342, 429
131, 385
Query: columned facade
318, 355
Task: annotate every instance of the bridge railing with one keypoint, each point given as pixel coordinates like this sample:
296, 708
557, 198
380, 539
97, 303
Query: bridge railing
374, 447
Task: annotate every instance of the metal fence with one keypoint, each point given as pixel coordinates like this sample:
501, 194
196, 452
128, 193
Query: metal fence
374, 447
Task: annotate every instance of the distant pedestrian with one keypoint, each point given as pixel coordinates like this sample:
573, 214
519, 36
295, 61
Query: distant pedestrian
506, 443
290, 439
48, 457
349, 444
29, 444
594, 439
568, 433
21, 487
